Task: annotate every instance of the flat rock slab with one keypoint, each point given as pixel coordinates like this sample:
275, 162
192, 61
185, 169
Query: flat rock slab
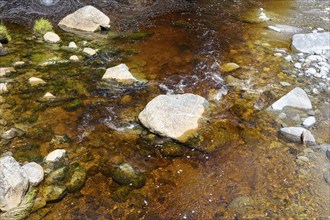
296, 98
88, 19
174, 116
312, 43
298, 134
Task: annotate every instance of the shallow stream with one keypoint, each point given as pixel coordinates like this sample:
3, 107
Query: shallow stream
237, 165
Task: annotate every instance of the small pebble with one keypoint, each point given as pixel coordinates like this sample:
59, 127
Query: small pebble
297, 65
309, 122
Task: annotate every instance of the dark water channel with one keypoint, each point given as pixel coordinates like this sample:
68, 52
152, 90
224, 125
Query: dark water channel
237, 166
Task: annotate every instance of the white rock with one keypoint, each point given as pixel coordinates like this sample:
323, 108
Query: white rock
19, 63
278, 54
311, 71
298, 134
34, 172
297, 65
311, 43
285, 84
274, 28
288, 58
74, 58
48, 96
3, 88
295, 98
73, 45
174, 116
89, 51
315, 91
87, 18
13, 183
309, 122
55, 155
36, 81
5, 70
51, 37
120, 73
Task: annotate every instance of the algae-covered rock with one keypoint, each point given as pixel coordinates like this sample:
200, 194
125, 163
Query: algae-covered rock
121, 194
241, 204
53, 192
125, 174
172, 150
229, 67
76, 178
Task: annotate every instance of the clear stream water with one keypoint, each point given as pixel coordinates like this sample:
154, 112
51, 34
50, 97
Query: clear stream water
237, 167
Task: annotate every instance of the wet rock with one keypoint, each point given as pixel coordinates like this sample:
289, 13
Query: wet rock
311, 43
56, 176
51, 37
119, 73
125, 174
287, 29
54, 160
34, 172
89, 51
77, 178
172, 150
39, 203
232, 81
174, 116
121, 194
53, 192
241, 204
6, 70
12, 133
59, 140
285, 84
36, 81
309, 122
19, 63
298, 134
2, 50
74, 105
88, 19
74, 58
229, 67
13, 183
48, 97
3, 88
295, 98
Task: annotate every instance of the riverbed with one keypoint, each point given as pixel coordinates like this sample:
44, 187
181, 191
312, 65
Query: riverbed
238, 166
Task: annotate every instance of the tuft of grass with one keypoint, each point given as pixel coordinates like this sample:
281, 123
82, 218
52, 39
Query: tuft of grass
42, 26
4, 34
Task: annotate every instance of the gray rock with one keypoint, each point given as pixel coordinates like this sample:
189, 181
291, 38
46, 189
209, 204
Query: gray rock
285, 84
309, 122
298, 134
55, 155
6, 70
77, 178
2, 50
174, 116
34, 172
326, 176
73, 45
36, 81
3, 88
285, 28
13, 183
74, 58
297, 65
295, 98
88, 19
119, 73
51, 37
312, 42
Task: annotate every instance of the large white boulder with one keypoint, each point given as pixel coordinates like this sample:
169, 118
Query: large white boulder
312, 42
295, 98
88, 19
119, 73
13, 183
34, 172
174, 116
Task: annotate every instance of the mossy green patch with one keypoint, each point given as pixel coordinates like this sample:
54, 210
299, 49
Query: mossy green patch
4, 34
42, 26
73, 105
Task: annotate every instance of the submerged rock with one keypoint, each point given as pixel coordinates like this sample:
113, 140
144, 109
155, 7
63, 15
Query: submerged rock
77, 178
51, 37
254, 16
312, 42
12, 133
34, 172
88, 19
295, 98
241, 204
119, 73
125, 174
229, 67
53, 192
13, 183
54, 160
174, 116
298, 134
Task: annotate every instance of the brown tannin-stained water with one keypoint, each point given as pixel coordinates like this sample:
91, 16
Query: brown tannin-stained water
237, 167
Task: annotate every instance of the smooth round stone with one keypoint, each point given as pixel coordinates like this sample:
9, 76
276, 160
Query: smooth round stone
36, 81
34, 172
89, 51
311, 71
55, 155
297, 65
74, 58
229, 67
51, 37
72, 45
